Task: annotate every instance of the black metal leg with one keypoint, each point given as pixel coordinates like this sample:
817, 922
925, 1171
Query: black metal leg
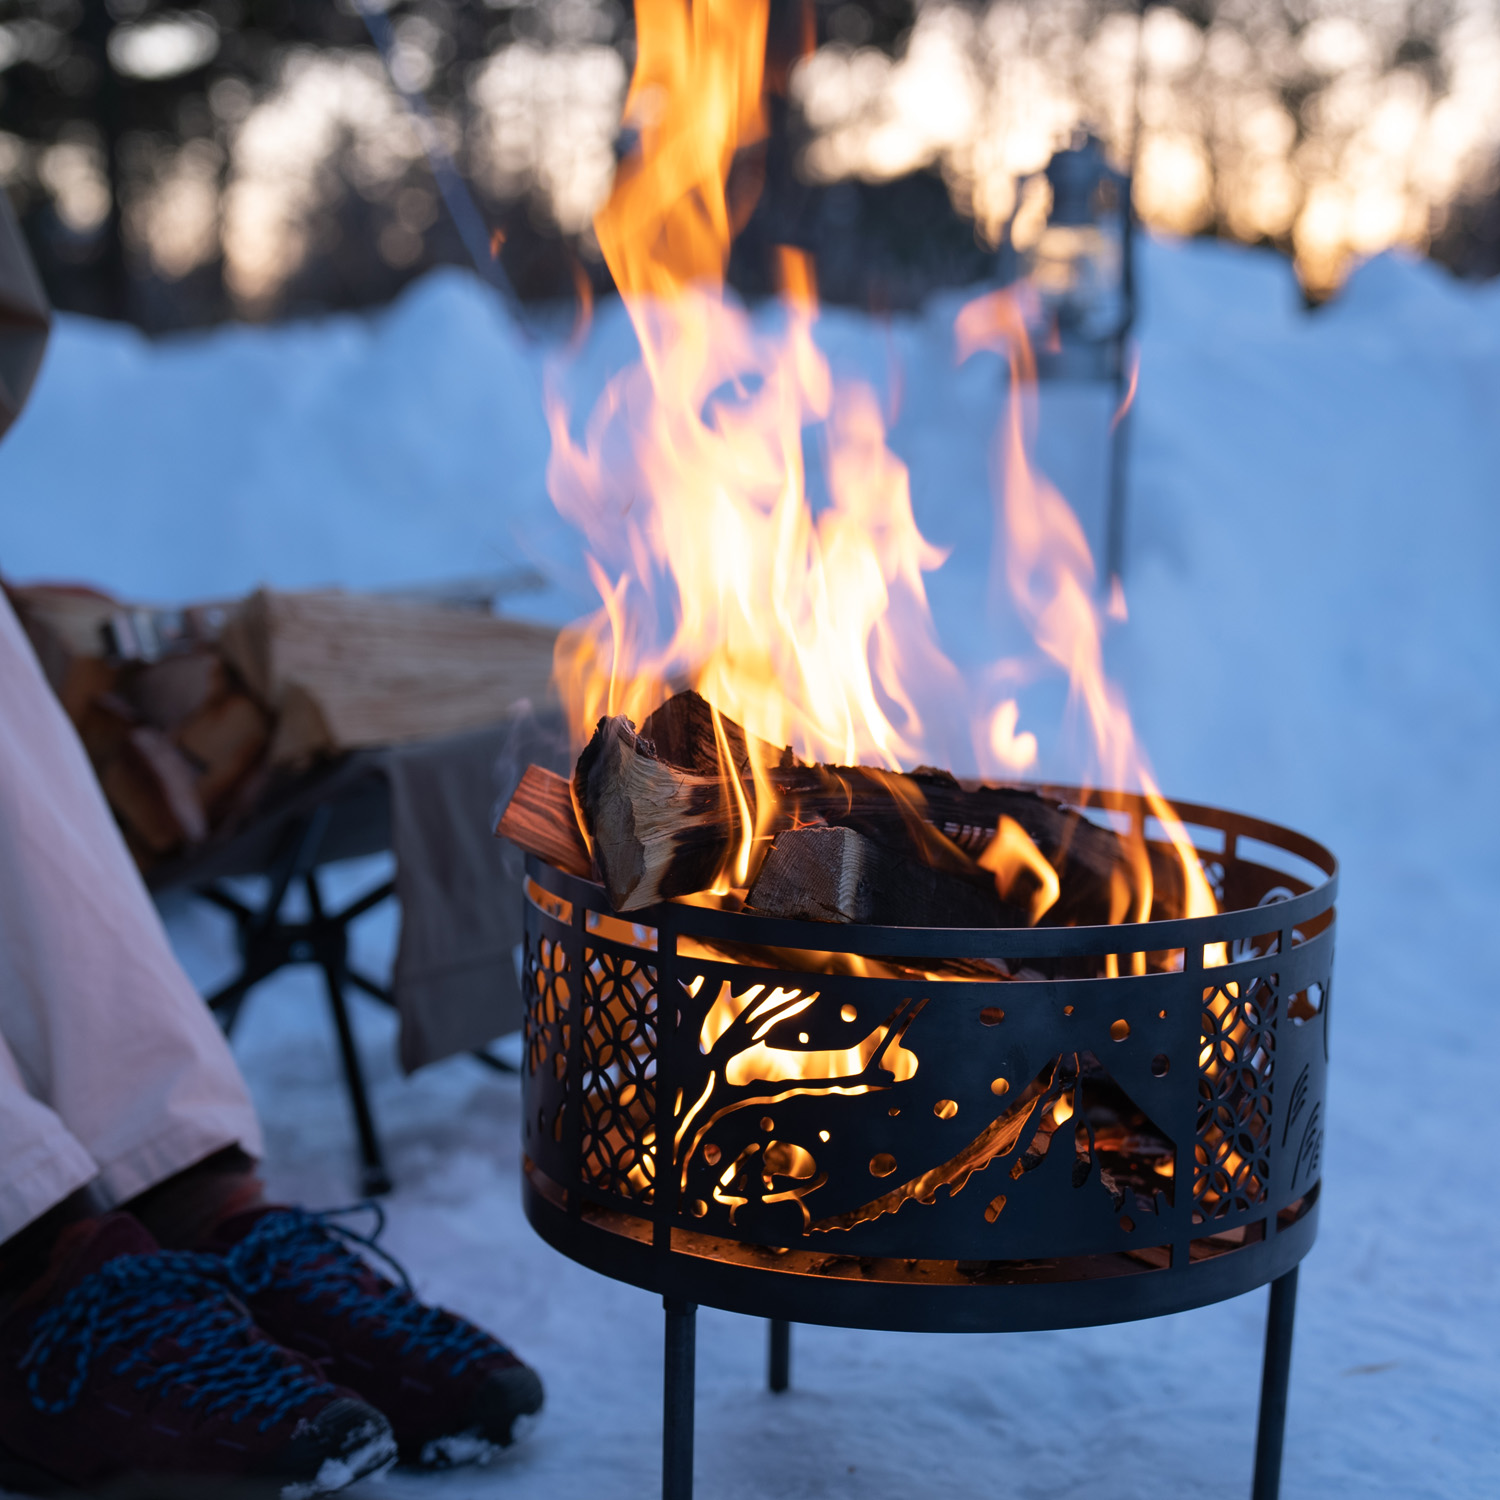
374, 1178
1273, 1387
780, 1362
488, 1058
677, 1401
227, 1002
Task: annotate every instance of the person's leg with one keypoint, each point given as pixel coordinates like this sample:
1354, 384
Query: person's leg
42, 1167
102, 1025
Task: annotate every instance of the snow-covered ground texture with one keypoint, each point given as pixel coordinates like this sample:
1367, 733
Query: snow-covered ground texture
1314, 636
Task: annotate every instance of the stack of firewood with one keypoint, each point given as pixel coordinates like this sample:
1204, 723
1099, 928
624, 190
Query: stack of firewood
189, 715
661, 817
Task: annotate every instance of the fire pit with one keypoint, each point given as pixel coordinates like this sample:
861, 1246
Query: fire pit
937, 1128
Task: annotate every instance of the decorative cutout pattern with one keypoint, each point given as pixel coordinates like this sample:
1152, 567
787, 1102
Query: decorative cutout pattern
1231, 1168
1305, 1005
1135, 1162
548, 991
1310, 1148
618, 1146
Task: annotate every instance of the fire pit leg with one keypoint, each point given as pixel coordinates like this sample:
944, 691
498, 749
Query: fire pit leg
780, 1361
677, 1400
1273, 1387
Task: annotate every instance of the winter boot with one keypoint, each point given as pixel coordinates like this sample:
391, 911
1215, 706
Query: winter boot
452, 1393
131, 1371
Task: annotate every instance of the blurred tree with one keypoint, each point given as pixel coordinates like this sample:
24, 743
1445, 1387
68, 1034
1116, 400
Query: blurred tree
179, 161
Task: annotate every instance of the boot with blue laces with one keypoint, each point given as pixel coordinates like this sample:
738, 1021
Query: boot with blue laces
134, 1373
453, 1394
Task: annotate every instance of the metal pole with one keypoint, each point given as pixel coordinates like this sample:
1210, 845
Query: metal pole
677, 1400
780, 1362
1273, 1386
1119, 466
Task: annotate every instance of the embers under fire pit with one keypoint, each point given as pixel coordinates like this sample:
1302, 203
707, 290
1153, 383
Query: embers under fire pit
944, 1129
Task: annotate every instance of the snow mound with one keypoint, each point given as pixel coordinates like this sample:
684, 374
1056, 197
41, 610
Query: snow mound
1314, 545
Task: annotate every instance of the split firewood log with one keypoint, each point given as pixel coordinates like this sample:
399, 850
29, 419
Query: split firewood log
349, 670
225, 738
657, 830
153, 789
660, 830
540, 818
65, 625
831, 874
167, 692
104, 724
682, 733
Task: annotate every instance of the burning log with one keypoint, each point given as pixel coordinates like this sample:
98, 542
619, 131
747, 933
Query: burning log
660, 829
657, 830
830, 874
682, 734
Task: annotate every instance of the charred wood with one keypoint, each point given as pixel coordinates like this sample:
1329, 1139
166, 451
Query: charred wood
681, 732
832, 874
661, 829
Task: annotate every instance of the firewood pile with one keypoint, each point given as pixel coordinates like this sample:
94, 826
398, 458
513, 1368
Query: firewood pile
662, 812
191, 715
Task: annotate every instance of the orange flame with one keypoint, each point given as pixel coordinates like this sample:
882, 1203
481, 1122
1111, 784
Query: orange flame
1049, 571
808, 626
1011, 852
690, 483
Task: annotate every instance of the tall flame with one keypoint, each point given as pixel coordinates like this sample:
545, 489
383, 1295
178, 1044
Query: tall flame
1045, 562
808, 625
690, 482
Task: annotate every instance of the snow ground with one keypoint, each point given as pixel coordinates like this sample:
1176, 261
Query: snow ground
1314, 584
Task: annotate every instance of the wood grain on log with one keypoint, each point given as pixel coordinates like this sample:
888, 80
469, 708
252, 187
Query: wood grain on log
64, 626
657, 830
382, 672
540, 818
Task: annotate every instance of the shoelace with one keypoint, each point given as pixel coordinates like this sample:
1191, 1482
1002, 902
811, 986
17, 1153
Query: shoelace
140, 1304
310, 1254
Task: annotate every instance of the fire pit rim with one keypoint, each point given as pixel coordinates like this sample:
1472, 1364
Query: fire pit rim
1189, 933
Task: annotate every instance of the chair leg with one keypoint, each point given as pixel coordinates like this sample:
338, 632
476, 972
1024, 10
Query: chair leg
374, 1178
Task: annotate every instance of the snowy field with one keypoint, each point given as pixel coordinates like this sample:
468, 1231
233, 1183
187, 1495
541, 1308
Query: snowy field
1313, 574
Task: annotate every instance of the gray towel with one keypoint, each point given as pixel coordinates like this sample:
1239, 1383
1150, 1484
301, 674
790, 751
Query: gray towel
456, 983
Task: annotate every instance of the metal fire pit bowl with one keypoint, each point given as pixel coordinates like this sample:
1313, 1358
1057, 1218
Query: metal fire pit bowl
874, 1127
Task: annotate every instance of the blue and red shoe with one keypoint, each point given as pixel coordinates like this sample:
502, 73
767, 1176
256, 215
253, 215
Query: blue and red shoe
453, 1394
131, 1371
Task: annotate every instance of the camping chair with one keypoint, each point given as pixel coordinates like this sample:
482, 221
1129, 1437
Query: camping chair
338, 812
